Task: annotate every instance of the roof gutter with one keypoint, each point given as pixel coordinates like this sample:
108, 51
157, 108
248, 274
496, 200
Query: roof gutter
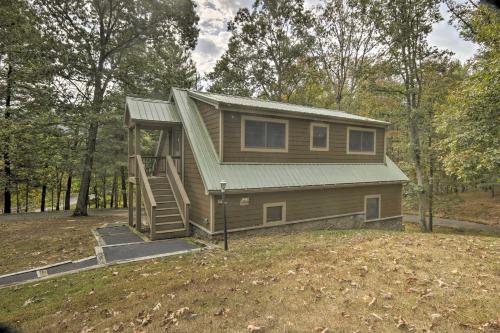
306, 187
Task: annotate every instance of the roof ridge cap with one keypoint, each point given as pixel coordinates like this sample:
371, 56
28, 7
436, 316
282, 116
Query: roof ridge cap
148, 99
270, 101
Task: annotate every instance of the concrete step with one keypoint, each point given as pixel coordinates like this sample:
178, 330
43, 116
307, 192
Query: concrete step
168, 218
164, 226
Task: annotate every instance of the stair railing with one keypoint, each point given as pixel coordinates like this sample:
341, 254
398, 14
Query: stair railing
147, 196
180, 194
154, 165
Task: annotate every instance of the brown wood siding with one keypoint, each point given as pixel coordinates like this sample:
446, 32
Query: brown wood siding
308, 204
200, 202
298, 144
211, 118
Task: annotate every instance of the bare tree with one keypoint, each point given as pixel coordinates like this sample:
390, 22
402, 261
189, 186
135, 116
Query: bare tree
345, 34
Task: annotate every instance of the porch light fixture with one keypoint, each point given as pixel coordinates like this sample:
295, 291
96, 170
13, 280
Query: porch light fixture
223, 184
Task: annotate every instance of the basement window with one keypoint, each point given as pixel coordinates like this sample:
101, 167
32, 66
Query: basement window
361, 141
274, 212
264, 134
320, 134
372, 207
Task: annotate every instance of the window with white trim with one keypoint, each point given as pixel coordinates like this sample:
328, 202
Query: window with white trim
320, 134
372, 207
264, 134
360, 141
275, 212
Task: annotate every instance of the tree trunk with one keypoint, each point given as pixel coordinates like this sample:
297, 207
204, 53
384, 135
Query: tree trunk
104, 203
52, 198
59, 189
7, 201
44, 195
67, 197
99, 89
114, 189
115, 180
96, 197
18, 205
124, 187
430, 197
27, 197
81, 205
417, 163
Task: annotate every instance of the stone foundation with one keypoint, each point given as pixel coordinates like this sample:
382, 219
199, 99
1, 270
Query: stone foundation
355, 221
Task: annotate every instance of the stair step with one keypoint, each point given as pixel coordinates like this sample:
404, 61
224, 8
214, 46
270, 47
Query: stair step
164, 226
164, 196
168, 218
161, 190
172, 230
166, 204
167, 210
156, 186
169, 223
174, 233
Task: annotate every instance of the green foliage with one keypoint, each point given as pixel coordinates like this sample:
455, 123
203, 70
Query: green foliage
470, 121
267, 52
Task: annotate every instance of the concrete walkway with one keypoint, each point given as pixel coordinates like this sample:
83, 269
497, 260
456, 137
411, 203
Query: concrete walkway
457, 224
117, 243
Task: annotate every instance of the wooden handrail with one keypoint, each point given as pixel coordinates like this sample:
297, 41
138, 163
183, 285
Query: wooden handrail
144, 180
177, 180
178, 190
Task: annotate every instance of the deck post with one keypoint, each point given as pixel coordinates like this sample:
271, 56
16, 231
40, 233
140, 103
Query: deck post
138, 198
130, 203
130, 185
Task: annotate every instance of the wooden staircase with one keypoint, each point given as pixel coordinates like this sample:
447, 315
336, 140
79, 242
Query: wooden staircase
168, 221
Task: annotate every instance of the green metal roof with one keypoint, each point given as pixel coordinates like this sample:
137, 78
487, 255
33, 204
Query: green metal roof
144, 109
251, 176
255, 103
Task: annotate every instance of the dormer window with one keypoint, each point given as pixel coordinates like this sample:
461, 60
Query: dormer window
264, 134
361, 141
319, 137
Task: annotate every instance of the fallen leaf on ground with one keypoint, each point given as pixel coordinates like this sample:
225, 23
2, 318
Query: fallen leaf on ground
253, 328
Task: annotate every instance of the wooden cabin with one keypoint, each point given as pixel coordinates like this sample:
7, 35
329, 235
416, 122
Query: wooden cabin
286, 166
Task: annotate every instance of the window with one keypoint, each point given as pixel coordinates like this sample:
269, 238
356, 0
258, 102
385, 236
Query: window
319, 137
264, 134
360, 141
372, 207
274, 212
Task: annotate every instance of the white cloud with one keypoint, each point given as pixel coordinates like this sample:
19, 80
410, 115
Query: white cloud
214, 37
445, 36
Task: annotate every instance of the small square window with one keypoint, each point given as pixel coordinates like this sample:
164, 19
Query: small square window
319, 136
372, 207
274, 212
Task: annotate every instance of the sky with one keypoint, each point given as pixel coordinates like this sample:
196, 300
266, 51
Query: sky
213, 38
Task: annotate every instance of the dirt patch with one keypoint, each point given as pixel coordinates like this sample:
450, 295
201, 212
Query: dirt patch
38, 242
306, 282
478, 207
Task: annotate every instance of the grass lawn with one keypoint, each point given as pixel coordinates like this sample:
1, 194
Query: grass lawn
468, 206
349, 281
33, 243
